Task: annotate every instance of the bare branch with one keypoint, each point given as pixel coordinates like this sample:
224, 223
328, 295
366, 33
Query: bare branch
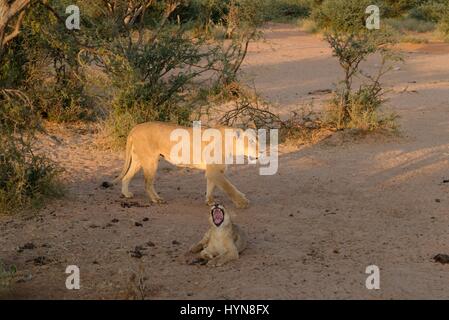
8, 10
16, 30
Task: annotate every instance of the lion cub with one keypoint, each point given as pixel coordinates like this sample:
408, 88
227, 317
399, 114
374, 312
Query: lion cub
223, 241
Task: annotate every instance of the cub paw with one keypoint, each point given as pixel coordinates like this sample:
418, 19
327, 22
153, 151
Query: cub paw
196, 248
214, 263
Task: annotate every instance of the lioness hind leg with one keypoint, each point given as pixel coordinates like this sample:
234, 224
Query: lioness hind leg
149, 171
133, 169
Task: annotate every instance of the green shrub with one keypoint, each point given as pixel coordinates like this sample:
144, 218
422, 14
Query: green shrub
429, 10
6, 276
152, 83
443, 27
26, 178
286, 10
343, 22
411, 24
436, 11
160, 74
42, 61
396, 8
363, 110
308, 25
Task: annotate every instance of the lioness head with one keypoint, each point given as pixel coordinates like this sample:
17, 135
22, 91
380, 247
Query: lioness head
247, 144
218, 216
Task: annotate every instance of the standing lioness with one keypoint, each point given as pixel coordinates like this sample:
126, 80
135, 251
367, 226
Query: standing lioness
148, 141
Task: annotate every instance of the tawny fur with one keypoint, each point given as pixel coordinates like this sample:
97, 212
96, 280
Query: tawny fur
148, 141
221, 244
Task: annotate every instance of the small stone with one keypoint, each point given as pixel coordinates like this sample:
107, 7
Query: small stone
27, 246
41, 261
441, 258
150, 244
106, 185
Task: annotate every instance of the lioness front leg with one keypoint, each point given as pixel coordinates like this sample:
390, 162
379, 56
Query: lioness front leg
236, 196
209, 193
217, 177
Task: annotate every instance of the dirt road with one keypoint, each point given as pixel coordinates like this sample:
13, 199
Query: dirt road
332, 210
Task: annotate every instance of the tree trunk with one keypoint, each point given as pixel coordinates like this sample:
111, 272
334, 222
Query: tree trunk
8, 11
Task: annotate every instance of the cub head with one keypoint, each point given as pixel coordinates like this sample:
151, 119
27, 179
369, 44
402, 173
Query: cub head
218, 216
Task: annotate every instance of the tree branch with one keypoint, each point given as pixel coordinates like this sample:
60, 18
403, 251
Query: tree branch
16, 30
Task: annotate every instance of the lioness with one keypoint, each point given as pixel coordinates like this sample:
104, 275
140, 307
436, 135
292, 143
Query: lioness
148, 141
223, 241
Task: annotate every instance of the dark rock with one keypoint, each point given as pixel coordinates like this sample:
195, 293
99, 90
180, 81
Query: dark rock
150, 244
41, 261
27, 246
137, 252
441, 258
106, 185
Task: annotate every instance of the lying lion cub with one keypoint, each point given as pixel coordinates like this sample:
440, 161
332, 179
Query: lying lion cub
223, 241
148, 141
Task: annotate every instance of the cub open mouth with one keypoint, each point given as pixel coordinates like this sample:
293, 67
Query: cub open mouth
217, 216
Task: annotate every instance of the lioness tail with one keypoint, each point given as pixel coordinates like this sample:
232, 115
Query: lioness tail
128, 159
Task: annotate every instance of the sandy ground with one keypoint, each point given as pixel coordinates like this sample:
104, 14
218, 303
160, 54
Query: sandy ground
333, 208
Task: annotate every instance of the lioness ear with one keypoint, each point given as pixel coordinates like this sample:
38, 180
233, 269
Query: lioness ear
239, 133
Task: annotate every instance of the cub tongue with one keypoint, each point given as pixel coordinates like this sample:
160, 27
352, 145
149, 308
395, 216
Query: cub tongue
218, 215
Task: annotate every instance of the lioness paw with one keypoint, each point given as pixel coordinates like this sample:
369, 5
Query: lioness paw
159, 201
242, 204
128, 195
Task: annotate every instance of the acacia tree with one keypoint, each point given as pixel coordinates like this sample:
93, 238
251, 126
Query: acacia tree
11, 13
343, 22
